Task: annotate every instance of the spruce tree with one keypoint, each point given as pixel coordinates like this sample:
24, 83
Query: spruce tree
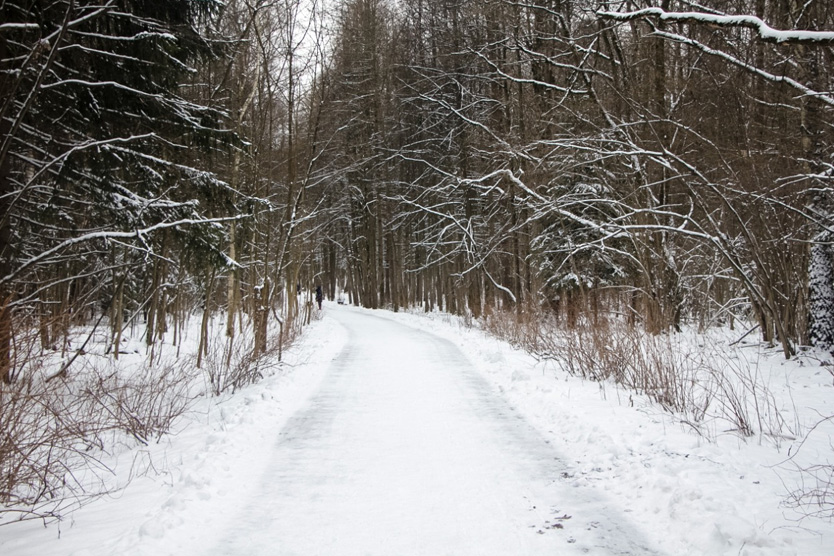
95, 138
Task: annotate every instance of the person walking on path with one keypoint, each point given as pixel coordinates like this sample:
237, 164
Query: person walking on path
319, 296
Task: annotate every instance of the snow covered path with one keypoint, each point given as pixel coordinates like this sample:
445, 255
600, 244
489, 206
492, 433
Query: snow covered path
406, 450
403, 434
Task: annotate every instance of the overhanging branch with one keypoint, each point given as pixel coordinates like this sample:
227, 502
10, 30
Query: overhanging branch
765, 32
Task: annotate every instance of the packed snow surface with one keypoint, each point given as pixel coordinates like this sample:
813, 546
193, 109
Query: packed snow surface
405, 450
396, 434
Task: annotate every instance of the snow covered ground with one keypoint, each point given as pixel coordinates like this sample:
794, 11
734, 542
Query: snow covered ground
401, 434
687, 494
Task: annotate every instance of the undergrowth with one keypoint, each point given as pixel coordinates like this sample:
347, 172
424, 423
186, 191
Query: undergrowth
714, 388
63, 418
711, 386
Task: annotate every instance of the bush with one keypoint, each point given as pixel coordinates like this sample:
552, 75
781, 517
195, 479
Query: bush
698, 378
55, 431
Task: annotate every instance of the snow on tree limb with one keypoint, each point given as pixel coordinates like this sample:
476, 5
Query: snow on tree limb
19, 27
765, 31
823, 97
113, 234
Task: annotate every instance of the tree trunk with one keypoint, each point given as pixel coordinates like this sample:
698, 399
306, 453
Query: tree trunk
6, 188
202, 349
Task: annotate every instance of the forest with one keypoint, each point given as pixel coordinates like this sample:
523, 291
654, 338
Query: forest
610, 169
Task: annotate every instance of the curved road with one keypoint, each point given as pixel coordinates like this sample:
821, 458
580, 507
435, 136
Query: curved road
405, 450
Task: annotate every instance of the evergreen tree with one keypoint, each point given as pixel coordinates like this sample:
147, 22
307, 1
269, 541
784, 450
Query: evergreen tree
95, 139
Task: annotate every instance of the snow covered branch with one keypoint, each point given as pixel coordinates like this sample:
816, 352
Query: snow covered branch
774, 78
764, 31
111, 235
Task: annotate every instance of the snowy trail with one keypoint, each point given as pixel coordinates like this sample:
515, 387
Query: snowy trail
406, 450
388, 434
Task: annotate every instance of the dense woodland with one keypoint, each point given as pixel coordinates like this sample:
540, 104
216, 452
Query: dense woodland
667, 164
657, 163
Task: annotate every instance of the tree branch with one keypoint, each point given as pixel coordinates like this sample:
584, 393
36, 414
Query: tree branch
766, 32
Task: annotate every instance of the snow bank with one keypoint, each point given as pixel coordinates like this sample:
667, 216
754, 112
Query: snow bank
179, 484
693, 495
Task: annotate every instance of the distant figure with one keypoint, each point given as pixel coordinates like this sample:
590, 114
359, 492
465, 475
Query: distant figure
319, 296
